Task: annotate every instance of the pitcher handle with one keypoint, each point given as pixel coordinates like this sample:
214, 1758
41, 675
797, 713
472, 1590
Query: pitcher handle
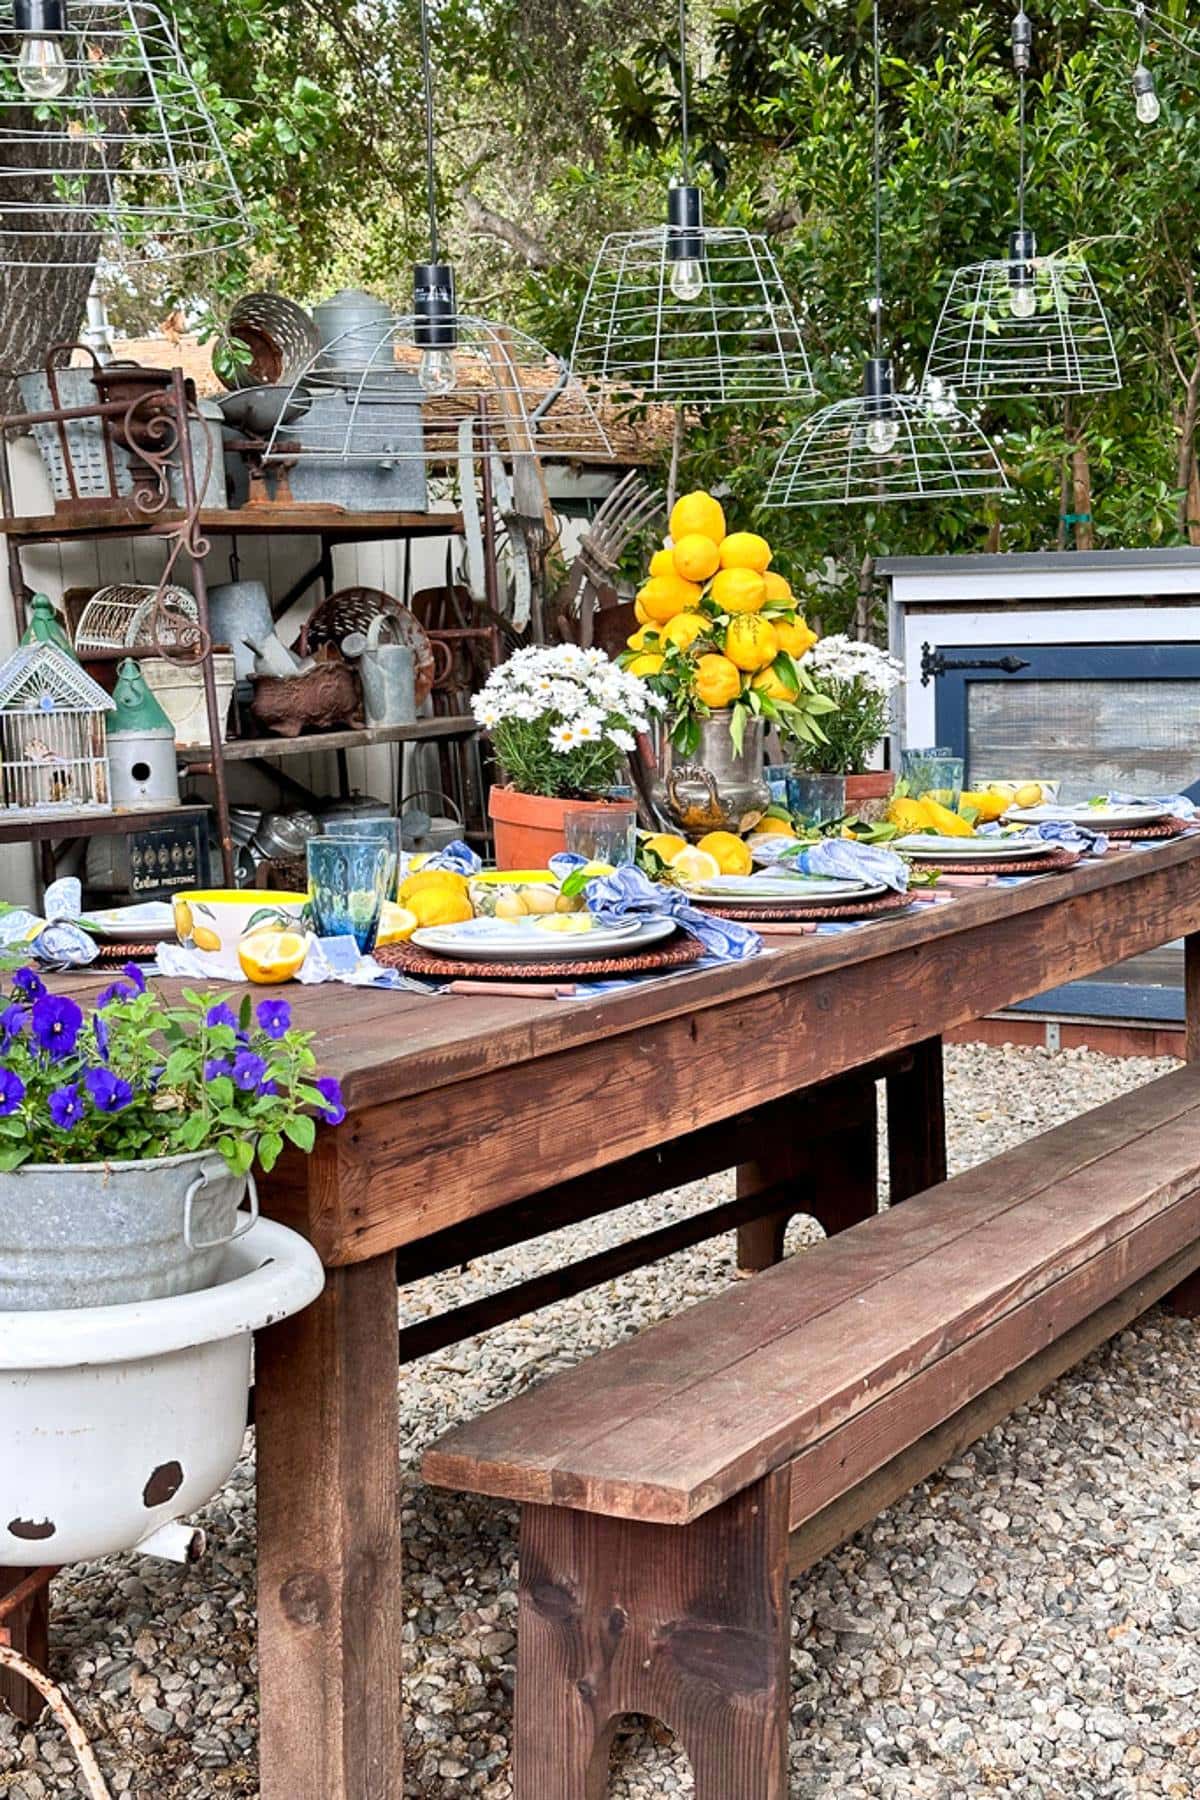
692, 772
244, 1220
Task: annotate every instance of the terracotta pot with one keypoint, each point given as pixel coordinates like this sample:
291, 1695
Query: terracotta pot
867, 794
529, 828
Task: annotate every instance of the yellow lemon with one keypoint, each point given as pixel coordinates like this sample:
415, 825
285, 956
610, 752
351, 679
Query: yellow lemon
718, 681
272, 956
430, 878
772, 827
1029, 795
696, 557
665, 845
641, 635
205, 939
695, 865
640, 614
648, 663
987, 805
684, 629
750, 642
779, 591
908, 815
732, 855
663, 562
397, 924
772, 685
745, 550
697, 512
950, 824
738, 591
795, 636
665, 595
439, 906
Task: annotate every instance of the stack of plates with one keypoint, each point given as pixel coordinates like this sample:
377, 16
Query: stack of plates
778, 890
523, 940
923, 847
1097, 818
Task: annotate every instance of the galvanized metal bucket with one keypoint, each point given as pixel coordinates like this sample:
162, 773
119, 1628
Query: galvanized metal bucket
106, 1234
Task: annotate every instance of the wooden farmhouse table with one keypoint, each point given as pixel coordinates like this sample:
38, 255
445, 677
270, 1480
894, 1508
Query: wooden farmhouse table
478, 1120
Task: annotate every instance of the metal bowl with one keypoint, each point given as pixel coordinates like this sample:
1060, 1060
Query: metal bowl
258, 410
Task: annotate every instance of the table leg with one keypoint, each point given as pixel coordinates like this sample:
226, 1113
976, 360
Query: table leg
1185, 1299
29, 1632
917, 1123
820, 1155
329, 1596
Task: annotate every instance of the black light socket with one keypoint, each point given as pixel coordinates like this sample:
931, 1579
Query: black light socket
879, 387
685, 219
1143, 81
1022, 248
39, 18
434, 312
1022, 43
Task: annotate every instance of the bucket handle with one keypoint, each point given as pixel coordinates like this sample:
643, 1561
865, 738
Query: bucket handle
245, 1220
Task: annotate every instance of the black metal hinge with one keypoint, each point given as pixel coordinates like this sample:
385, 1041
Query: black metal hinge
933, 662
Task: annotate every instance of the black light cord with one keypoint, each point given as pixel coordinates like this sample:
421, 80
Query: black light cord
683, 92
877, 159
1021, 177
430, 159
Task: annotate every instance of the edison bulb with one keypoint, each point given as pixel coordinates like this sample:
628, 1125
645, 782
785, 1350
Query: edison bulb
1148, 107
42, 68
687, 279
1023, 301
881, 436
436, 374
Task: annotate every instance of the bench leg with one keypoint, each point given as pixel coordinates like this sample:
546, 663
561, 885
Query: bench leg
1184, 1300
917, 1123
686, 1624
29, 1629
829, 1172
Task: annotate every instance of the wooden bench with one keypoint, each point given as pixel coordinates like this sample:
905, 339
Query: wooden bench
660, 1480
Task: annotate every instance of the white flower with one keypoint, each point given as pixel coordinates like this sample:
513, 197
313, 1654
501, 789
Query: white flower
624, 740
563, 738
487, 713
589, 727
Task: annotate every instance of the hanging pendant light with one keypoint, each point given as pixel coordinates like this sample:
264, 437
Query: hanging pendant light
434, 384
883, 445
689, 313
122, 160
1024, 325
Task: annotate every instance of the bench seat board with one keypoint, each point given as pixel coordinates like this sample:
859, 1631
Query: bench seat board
908, 1314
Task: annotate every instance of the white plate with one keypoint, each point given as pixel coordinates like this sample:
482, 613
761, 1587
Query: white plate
1095, 816
151, 921
955, 849
742, 890
522, 945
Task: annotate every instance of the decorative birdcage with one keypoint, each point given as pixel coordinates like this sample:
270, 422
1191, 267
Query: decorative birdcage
369, 396
1023, 326
884, 446
106, 143
715, 328
132, 616
52, 735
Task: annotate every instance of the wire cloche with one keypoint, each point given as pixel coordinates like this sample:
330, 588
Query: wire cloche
884, 446
691, 314
106, 145
367, 397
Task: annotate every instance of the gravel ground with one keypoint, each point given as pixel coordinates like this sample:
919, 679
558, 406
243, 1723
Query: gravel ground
1026, 1623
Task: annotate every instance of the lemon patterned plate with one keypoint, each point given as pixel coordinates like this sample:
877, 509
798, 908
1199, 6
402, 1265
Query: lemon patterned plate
517, 940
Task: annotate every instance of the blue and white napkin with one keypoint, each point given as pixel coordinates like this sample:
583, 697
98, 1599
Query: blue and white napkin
627, 893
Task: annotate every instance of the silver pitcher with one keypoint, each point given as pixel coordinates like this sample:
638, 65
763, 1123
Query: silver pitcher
716, 787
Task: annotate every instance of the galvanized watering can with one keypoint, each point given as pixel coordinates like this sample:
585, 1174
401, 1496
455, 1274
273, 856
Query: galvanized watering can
387, 672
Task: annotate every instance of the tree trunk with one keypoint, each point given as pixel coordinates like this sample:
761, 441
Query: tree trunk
1081, 486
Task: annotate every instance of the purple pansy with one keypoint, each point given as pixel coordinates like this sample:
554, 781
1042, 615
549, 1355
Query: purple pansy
66, 1107
13, 1020
12, 1092
109, 1093
271, 1088
100, 1033
132, 973
248, 1070
56, 1024
216, 1066
274, 1017
118, 990
221, 1014
29, 983
330, 1090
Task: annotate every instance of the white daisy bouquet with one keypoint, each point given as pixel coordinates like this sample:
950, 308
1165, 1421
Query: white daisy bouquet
860, 680
563, 720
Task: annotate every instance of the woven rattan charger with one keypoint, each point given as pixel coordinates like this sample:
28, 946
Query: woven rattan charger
1145, 834
1056, 863
799, 913
410, 959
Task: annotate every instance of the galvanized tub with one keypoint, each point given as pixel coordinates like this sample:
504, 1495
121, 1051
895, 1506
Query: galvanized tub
108, 1234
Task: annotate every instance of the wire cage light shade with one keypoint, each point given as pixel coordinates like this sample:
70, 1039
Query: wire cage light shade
884, 447
124, 158
1023, 327
735, 342
362, 399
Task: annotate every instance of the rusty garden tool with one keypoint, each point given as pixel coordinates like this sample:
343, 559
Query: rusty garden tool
626, 511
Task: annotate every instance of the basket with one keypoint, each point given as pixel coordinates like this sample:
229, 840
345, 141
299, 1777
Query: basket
353, 609
122, 618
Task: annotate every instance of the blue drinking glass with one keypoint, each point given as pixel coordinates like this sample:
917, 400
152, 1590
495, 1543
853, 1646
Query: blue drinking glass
380, 831
349, 878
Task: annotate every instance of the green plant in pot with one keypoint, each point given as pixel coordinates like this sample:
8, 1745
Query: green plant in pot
563, 722
859, 679
128, 1137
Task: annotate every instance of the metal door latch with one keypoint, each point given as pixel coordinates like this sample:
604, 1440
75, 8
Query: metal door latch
933, 662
